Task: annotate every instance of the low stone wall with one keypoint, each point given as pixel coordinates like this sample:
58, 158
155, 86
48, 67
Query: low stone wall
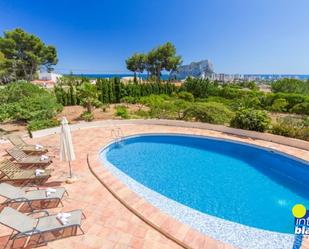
239, 132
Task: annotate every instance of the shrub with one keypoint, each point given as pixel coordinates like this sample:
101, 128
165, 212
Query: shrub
303, 133
306, 121
36, 108
231, 93
141, 113
302, 108
249, 102
4, 116
250, 119
290, 86
285, 127
41, 124
122, 111
217, 99
200, 88
210, 112
7, 111
291, 127
18, 90
24, 101
279, 105
180, 106
292, 98
186, 96
87, 116
129, 100
160, 106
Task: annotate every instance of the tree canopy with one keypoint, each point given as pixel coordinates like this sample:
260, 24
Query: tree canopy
25, 53
291, 86
136, 63
158, 59
3, 71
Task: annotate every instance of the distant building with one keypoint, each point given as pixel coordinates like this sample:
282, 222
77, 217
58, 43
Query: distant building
47, 79
49, 76
222, 77
128, 79
252, 78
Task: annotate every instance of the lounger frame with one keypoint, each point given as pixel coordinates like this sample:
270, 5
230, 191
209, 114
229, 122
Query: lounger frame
29, 202
17, 235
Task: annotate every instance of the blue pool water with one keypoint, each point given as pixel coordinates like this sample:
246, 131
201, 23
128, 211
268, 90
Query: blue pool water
233, 181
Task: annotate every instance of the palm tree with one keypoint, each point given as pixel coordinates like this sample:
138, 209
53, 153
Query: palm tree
88, 95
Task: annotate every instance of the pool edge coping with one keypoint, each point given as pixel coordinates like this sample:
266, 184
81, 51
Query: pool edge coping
229, 140
180, 233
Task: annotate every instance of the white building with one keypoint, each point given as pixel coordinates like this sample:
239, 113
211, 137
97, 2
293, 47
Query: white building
47, 80
45, 76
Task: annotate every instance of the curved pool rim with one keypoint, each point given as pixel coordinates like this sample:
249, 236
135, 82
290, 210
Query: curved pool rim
200, 221
270, 149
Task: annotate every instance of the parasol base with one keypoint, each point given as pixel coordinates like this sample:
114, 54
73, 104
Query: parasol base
71, 180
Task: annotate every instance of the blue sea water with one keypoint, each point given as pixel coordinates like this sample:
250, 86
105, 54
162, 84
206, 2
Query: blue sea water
105, 76
166, 76
233, 181
280, 76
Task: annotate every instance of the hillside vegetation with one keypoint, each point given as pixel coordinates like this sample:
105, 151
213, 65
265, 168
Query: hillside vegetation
239, 105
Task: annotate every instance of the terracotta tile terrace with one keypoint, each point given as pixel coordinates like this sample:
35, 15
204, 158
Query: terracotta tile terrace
116, 215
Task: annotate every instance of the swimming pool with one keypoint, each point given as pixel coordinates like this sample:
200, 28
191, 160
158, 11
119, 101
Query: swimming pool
232, 181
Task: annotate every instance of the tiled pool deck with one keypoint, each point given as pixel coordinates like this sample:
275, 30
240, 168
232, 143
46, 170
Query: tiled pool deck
109, 223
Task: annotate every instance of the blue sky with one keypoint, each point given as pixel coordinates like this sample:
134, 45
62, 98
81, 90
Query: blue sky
238, 36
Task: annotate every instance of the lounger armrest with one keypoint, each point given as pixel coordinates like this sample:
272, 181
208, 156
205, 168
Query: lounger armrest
46, 213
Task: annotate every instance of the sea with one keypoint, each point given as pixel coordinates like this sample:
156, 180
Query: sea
166, 76
279, 76
105, 76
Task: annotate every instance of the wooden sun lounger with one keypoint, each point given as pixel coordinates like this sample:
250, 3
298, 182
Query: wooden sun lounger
17, 140
24, 159
10, 172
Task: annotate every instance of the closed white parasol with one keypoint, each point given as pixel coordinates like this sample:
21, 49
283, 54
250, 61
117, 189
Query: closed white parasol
66, 145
